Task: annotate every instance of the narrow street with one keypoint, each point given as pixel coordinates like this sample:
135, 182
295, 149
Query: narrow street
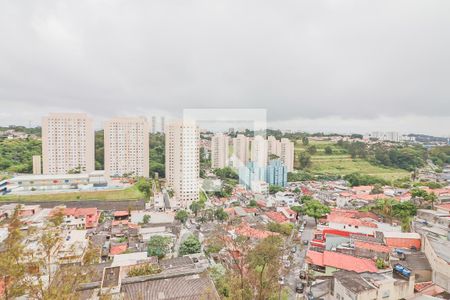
293, 272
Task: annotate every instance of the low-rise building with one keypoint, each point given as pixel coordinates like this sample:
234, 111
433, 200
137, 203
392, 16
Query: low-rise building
361, 286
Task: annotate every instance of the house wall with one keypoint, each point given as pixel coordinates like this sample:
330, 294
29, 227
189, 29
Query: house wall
351, 228
441, 269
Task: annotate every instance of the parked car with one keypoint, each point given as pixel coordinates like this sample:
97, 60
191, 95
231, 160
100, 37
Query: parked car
302, 274
294, 249
281, 280
305, 242
299, 288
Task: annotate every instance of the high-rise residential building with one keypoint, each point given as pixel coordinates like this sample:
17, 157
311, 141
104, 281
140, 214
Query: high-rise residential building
283, 149
153, 124
37, 165
241, 148
251, 173
287, 149
127, 147
259, 152
67, 143
276, 173
182, 161
273, 174
273, 146
163, 124
219, 151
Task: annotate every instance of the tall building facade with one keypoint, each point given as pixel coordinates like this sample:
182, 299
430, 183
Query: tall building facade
219, 151
182, 161
284, 149
276, 173
153, 124
37, 165
163, 124
241, 148
127, 147
67, 143
259, 150
287, 149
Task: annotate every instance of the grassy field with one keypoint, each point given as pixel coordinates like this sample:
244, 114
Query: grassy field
341, 163
112, 195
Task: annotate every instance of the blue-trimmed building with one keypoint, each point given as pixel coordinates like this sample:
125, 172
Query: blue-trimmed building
274, 174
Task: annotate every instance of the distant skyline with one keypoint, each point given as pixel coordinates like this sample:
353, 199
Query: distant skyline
332, 66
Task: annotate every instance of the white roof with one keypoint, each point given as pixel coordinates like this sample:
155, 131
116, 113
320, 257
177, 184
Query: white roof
401, 235
48, 177
3, 234
128, 259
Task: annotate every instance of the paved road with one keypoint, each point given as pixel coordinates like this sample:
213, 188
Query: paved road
292, 276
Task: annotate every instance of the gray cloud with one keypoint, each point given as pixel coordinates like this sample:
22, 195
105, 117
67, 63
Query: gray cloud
357, 61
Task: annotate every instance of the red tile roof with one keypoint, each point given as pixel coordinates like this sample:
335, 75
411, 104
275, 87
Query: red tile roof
362, 188
341, 261
121, 213
251, 210
90, 214
118, 249
372, 246
261, 203
248, 231
276, 217
119, 222
350, 221
368, 197
444, 206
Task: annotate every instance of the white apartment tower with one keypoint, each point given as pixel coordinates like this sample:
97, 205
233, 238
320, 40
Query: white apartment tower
287, 153
182, 161
284, 149
219, 151
241, 148
127, 147
67, 143
154, 124
37, 165
273, 146
259, 152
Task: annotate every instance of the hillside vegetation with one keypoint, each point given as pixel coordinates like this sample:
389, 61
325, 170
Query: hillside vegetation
340, 162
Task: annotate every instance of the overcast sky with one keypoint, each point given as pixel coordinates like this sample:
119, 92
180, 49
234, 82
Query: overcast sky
342, 66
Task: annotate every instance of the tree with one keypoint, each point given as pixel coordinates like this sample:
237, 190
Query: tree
306, 198
315, 209
226, 173
158, 245
196, 206
305, 141
312, 150
285, 228
144, 186
264, 262
220, 214
432, 198
253, 203
182, 216
358, 179
92, 254
377, 189
299, 176
304, 160
328, 150
11, 266
190, 246
273, 189
146, 219
297, 209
